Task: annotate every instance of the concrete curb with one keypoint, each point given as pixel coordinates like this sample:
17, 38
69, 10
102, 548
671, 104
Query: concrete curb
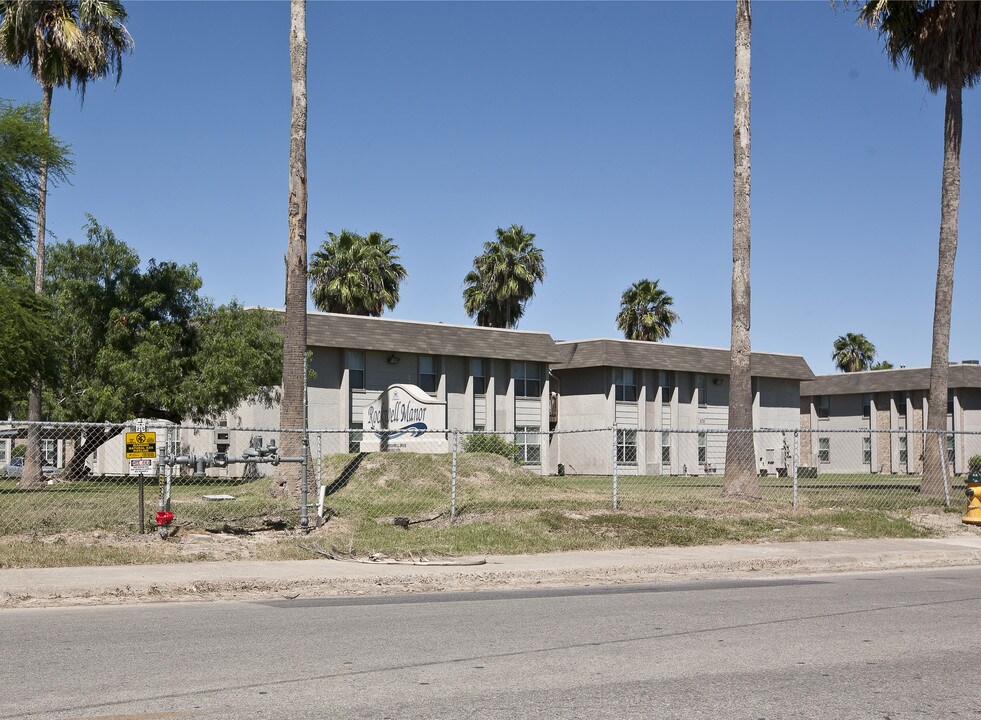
214, 581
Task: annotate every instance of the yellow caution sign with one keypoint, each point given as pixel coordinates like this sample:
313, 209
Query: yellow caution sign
141, 445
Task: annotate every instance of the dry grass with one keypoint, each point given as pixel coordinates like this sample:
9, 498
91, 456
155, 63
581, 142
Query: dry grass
500, 508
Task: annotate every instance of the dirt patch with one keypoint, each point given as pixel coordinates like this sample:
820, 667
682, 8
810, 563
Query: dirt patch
944, 525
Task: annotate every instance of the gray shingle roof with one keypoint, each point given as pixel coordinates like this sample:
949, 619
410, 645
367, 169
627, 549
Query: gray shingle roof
388, 335
685, 358
897, 380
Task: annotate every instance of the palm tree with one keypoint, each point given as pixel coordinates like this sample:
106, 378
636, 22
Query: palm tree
940, 41
291, 415
63, 43
356, 275
853, 353
503, 278
882, 365
645, 312
740, 475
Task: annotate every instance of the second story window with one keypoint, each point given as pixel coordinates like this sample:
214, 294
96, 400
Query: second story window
527, 379
478, 371
867, 405
625, 381
900, 399
700, 389
355, 369
822, 406
427, 373
666, 383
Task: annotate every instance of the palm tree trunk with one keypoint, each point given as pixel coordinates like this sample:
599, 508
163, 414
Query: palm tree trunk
33, 462
295, 321
740, 474
940, 361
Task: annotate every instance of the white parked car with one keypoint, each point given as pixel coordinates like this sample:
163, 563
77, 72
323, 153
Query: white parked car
15, 468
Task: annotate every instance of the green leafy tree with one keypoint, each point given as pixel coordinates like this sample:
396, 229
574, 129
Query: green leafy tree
143, 343
26, 325
940, 41
645, 312
27, 336
502, 281
64, 43
882, 365
26, 149
853, 352
740, 474
356, 274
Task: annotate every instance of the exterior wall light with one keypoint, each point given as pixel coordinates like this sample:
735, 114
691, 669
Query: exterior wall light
393, 359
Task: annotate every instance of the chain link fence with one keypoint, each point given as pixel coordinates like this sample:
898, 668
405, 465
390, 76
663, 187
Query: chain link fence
85, 477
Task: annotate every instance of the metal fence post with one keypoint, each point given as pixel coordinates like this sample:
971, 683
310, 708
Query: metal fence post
796, 465
943, 468
616, 498
320, 460
304, 488
456, 442
142, 500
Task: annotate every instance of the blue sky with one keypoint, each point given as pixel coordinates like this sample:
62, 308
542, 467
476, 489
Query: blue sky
604, 128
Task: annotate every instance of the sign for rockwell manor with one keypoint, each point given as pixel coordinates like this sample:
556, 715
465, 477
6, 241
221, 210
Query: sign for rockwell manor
404, 417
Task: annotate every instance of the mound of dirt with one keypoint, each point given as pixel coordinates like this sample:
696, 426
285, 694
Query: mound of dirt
421, 470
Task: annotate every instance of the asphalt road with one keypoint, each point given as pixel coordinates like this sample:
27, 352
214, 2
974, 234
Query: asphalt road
887, 645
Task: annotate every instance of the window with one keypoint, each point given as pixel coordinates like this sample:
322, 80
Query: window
866, 405
354, 438
950, 450
626, 384
527, 379
950, 402
478, 371
665, 449
702, 448
867, 450
824, 450
900, 399
4, 454
427, 373
700, 389
666, 381
173, 442
529, 448
903, 450
478, 428
48, 452
355, 369
627, 446
823, 406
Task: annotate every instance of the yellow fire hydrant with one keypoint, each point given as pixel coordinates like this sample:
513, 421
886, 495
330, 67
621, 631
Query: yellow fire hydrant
973, 514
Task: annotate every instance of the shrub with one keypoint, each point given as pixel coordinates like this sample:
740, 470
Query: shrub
974, 464
494, 444
18, 451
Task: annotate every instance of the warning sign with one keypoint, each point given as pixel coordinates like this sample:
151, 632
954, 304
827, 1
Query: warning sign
141, 445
